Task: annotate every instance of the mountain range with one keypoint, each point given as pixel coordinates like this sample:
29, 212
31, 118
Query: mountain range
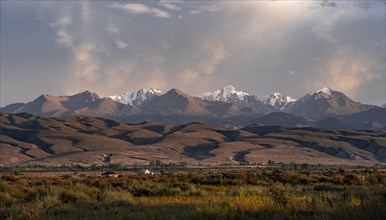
227, 107
136, 98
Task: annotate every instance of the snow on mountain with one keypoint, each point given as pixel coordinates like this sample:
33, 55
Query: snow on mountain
230, 94
324, 90
323, 93
136, 98
278, 100
210, 96
227, 94
325, 102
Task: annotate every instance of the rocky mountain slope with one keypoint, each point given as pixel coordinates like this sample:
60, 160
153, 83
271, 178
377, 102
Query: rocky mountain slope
85, 103
324, 103
226, 107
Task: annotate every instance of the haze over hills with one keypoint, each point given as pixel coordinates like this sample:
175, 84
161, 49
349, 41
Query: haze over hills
227, 107
26, 139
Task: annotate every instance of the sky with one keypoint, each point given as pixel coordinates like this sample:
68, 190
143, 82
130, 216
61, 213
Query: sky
261, 47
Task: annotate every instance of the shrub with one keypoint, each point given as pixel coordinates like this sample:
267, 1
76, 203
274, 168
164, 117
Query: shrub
353, 179
328, 187
280, 194
96, 194
39, 194
69, 196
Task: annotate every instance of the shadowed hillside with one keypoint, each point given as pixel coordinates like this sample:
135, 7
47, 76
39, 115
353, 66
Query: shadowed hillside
28, 139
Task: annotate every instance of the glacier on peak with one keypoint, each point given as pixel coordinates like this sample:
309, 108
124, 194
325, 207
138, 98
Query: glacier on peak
231, 95
227, 94
278, 100
325, 90
136, 98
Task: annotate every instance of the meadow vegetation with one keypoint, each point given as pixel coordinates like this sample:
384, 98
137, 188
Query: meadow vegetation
277, 194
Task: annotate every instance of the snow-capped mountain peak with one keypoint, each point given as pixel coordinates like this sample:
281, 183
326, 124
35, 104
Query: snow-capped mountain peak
227, 94
324, 90
210, 96
278, 100
136, 98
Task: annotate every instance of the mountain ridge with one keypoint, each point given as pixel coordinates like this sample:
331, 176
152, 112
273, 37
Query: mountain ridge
325, 103
136, 98
237, 110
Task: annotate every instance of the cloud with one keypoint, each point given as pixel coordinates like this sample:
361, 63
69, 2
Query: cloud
218, 54
120, 44
346, 72
156, 79
327, 3
324, 26
159, 13
112, 29
214, 54
86, 62
206, 8
189, 77
229, 42
86, 12
62, 21
115, 75
293, 73
64, 38
125, 76
137, 8
77, 38
169, 5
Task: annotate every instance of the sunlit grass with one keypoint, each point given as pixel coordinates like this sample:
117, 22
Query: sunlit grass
242, 195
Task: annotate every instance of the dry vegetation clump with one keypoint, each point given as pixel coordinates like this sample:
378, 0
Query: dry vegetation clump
275, 194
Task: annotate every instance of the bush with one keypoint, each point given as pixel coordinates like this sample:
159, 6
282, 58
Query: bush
39, 194
69, 196
156, 190
328, 187
221, 195
280, 194
353, 179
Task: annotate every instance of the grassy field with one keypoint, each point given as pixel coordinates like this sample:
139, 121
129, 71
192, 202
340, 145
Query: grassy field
277, 194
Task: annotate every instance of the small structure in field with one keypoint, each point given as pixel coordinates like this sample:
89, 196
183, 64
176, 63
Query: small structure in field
147, 172
110, 174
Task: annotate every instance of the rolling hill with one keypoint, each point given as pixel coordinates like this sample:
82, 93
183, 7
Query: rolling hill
26, 139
